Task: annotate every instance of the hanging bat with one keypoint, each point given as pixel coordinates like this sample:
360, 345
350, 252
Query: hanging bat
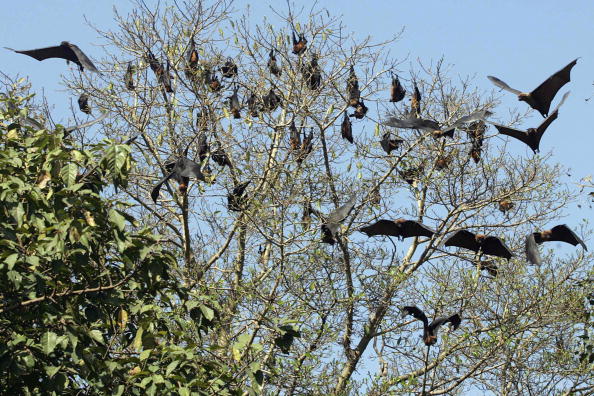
442, 162
388, 145
476, 131
65, 50
353, 88
532, 136
129, 77
180, 170
83, 103
191, 61
560, 233
332, 223
308, 211
229, 69
540, 99
271, 101
311, 73
306, 146
234, 105
236, 200
300, 45
69, 129
397, 91
346, 128
360, 110
430, 329
415, 101
294, 137
163, 75
252, 104
488, 266
480, 243
213, 82
505, 205
272, 65
203, 147
476, 150
412, 175
220, 157
400, 228
375, 196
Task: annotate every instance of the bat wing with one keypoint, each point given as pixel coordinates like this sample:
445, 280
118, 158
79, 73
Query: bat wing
426, 125
83, 59
188, 168
532, 253
411, 228
563, 233
202, 147
464, 239
157, 188
480, 115
381, 227
494, 246
416, 313
341, 213
399, 123
503, 85
454, 320
86, 124
552, 117
515, 133
58, 51
545, 92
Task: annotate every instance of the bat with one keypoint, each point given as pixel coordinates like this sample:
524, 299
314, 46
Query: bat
236, 200
69, 129
162, 74
400, 228
375, 196
272, 65
412, 175
346, 128
129, 77
229, 69
476, 131
299, 46
505, 205
415, 101
308, 211
252, 104
397, 91
442, 162
234, 105
483, 244
180, 170
437, 131
203, 147
294, 137
83, 103
271, 101
311, 73
65, 50
332, 223
532, 136
306, 146
388, 145
488, 266
213, 82
540, 99
430, 329
191, 60
560, 233
353, 88
220, 157
412, 122
360, 110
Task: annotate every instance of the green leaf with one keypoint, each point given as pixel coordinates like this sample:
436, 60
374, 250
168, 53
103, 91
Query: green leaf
207, 312
48, 342
117, 219
145, 354
171, 366
51, 370
68, 174
97, 336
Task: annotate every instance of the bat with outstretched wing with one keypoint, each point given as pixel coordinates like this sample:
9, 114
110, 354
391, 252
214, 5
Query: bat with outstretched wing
430, 329
332, 223
400, 228
561, 233
484, 244
65, 50
180, 170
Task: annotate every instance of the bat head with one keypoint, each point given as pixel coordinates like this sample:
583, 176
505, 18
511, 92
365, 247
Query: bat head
505, 205
480, 238
545, 235
429, 339
65, 44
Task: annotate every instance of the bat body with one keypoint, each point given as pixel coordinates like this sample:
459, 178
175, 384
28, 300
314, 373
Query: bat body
353, 88
294, 137
360, 110
162, 74
346, 128
312, 74
540, 98
306, 146
129, 77
180, 170
388, 145
400, 228
272, 64
415, 101
476, 131
505, 205
236, 200
220, 157
271, 101
234, 105
213, 82
488, 266
191, 61
203, 147
332, 223
229, 69
412, 175
397, 91
252, 104
490, 245
561, 233
83, 103
532, 136
65, 50
430, 329
442, 162
299, 46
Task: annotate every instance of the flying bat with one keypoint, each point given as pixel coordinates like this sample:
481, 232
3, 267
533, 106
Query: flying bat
65, 50
533, 135
388, 145
360, 110
412, 122
346, 128
437, 131
294, 137
236, 200
272, 65
234, 105
490, 245
180, 170
353, 88
129, 77
69, 129
311, 73
397, 91
229, 69
300, 45
332, 223
83, 103
400, 228
430, 329
540, 99
560, 233
415, 101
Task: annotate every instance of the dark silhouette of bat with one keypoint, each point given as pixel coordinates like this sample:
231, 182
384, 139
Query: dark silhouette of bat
220, 157
374, 196
163, 75
540, 99
532, 136
271, 101
294, 137
300, 45
560, 233
415, 101
442, 162
488, 266
83, 103
430, 329
308, 211
397, 91
252, 104
360, 110
475, 150
236, 201
203, 147
69, 129
353, 88
272, 65
505, 205
213, 82
180, 170
129, 77
480, 243
346, 128
191, 61
400, 228
412, 122
388, 145
234, 105
413, 174
476, 131
65, 50
312, 74
306, 146
332, 223
229, 69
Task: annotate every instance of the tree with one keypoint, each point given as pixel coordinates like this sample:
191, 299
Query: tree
317, 318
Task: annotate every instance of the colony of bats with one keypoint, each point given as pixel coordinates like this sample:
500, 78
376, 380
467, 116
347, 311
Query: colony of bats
181, 169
